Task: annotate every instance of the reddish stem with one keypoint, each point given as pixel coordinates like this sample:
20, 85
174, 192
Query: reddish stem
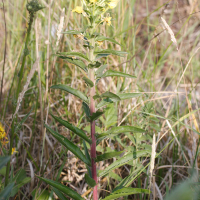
93, 145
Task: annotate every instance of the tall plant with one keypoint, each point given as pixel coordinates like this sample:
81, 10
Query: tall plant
95, 12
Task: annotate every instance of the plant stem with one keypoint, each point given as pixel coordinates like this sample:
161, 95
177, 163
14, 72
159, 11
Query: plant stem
25, 53
92, 110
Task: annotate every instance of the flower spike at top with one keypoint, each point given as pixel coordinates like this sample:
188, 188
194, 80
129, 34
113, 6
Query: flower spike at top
78, 9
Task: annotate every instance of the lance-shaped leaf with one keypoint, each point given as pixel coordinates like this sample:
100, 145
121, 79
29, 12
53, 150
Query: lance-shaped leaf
99, 72
88, 81
69, 145
128, 179
102, 38
104, 102
86, 109
121, 129
111, 52
73, 91
76, 62
98, 56
95, 115
5, 193
108, 155
116, 73
88, 157
125, 192
111, 96
59, 194
124, 160
66, 190
4, 160
124, 96
74, 129
74, 32
90, 181
77, 54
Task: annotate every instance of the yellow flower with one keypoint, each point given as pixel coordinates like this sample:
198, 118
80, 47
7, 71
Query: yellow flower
2, 132
4, 142
108, 20
14, 151
113, 4
93, 1
99, 42
78, 9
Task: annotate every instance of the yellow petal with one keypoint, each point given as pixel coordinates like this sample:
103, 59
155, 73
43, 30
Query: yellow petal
78, 9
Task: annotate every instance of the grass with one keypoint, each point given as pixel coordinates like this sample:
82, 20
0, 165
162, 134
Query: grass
167, 85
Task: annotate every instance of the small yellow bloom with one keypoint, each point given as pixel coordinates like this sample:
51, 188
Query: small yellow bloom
4, 142
13, 151
78, 9
108, 20
99, 42
113, 4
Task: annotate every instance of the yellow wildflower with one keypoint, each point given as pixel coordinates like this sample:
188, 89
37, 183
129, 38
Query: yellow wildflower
4, 142
113, 4
78, 9
108, 20
99, 42
14, 151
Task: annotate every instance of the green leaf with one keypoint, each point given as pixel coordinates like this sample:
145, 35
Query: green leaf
62, 188
111, 96
59, 194
124, 160
104, 102
69, 145
88, 81
86, 109
20, 180
110, 52
90, 181
77, 54
129, 179
73, 91
110, 116
74, 129
125, 192
108, 155
121, 129
99, 72
5, 193
88, 157
116, 73
95, 64
76, 62
102, 38
96, 97
43, 195
4, 160
23, 120
124, 96
96, 115
98, 56
74, 32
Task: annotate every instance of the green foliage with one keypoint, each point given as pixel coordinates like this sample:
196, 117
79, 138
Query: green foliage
74, 129
66, 190
69, 145
116, 73
124, 160
75, 92
125, 192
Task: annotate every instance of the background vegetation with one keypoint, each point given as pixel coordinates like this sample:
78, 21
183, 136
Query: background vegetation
167, 87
